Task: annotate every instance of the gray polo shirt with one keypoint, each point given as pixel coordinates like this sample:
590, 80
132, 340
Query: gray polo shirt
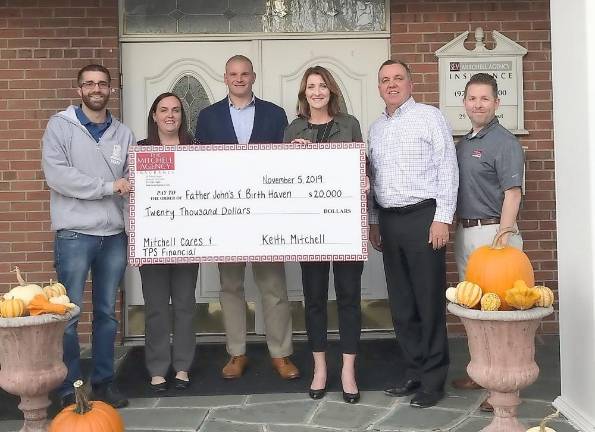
490, 163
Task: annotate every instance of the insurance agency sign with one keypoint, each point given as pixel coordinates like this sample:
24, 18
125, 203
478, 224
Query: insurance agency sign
505, 62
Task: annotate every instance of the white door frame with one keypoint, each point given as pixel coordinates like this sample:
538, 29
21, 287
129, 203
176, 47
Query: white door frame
253, 48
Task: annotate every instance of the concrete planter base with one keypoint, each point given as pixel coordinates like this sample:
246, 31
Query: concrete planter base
502, 348
31, 362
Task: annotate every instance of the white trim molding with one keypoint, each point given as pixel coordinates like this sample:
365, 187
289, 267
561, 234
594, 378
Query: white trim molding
575, 417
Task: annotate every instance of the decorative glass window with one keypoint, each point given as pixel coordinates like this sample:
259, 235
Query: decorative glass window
252, 16
194, 98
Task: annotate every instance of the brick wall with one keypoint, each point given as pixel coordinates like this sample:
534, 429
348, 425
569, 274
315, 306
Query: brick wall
420, 27
42, 46
44, 43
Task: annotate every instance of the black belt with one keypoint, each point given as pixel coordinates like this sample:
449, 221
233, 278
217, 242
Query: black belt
411, 207
468, 223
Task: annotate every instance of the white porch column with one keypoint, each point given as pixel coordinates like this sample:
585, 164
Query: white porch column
573, 76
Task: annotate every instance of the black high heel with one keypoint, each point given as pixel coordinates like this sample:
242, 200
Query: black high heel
317, 394
351, 398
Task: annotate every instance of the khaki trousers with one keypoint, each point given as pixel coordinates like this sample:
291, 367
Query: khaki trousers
469, 239
270, 280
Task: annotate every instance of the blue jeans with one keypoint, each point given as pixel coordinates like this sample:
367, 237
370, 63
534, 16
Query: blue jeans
75, 254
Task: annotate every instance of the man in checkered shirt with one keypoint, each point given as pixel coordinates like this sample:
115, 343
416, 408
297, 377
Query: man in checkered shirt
414, 181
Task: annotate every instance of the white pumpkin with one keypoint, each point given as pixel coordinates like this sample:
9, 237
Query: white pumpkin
23, 291
63, 300
451, 294
542, 427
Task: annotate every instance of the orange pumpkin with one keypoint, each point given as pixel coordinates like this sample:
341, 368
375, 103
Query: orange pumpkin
87, 416
495, 268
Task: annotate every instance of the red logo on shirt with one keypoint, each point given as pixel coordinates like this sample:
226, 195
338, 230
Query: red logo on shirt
476, 153
158, 161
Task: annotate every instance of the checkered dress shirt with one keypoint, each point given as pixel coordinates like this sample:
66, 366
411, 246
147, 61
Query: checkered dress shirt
412, 158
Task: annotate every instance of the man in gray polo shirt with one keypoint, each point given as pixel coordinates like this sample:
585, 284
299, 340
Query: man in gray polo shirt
490, 178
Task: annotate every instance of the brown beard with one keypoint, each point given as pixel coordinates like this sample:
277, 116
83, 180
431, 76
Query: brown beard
95, 105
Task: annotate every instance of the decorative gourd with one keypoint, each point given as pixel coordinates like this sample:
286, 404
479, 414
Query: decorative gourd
54, 289
87, 416
542, 426
41, 305
12, 308
522, 297
62, 300
546, 296
490, 302
468, 294
495, 268
23, 291
451, 294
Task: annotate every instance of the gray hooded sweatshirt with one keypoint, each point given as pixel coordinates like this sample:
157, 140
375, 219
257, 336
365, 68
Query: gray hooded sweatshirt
81, 173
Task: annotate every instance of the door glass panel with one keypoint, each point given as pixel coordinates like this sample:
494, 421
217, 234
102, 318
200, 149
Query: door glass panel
194, 98
253, 16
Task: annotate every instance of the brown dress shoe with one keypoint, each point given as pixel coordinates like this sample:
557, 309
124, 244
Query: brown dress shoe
486, 406
285, 367
235, 367
465, 383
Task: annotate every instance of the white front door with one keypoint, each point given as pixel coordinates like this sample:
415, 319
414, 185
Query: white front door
195, 70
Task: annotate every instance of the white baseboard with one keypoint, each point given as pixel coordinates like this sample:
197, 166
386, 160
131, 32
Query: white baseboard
574, 416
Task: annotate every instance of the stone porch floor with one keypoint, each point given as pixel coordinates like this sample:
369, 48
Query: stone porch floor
296, 412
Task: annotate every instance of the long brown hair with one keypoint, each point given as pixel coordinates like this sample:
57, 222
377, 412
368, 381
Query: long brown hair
152, 130
303, 108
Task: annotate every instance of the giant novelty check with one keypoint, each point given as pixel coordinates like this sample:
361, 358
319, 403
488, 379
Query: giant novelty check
254, 202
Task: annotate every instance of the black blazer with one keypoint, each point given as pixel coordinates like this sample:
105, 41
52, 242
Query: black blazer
214, 125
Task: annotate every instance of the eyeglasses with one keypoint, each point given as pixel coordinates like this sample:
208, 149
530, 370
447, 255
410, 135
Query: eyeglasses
90, 85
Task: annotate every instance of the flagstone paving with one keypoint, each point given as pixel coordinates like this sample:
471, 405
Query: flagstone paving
296, 412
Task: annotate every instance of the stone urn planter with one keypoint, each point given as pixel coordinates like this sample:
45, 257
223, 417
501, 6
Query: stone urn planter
502, 348
31, 362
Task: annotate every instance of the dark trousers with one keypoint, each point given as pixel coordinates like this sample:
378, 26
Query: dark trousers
348, 288
160, 283
416, 281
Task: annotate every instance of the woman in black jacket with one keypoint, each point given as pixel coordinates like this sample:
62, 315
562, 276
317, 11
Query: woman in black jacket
320, 120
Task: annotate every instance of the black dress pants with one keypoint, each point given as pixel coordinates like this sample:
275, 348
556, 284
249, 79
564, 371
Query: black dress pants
416, 281
348, 288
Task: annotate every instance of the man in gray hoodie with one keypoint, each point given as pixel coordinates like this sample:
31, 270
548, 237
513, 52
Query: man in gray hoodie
85, 162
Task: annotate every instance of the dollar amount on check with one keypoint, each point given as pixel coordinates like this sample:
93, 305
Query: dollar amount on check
255, 202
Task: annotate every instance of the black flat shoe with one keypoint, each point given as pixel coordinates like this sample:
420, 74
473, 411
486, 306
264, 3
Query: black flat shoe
351, 398
403, 389
159, 388
108, 393
181, 384
317, 394
426, 399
